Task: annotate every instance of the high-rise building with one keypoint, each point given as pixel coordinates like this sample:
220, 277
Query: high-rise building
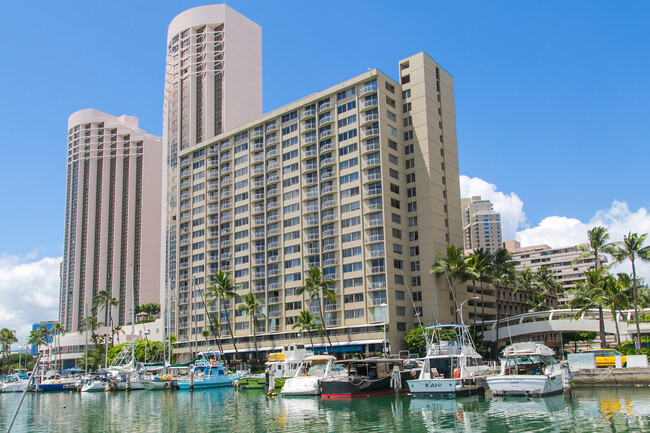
360, 180
563, 262
112, 216
482, 225
213, 83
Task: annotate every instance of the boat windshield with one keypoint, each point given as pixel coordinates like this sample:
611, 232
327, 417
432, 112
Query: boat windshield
317, 370
529, 360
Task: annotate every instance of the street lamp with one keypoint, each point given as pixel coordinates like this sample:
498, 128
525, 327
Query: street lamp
147, 332
385, 307
461, 308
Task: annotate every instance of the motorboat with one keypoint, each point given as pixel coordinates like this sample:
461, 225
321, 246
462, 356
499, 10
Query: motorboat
529, 369
156, 383
94, 385
208, 372
366, 378
57, 384
15, 383
452, 364
313, 369
280, 366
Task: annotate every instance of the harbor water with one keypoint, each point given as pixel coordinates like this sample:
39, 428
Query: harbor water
594, 409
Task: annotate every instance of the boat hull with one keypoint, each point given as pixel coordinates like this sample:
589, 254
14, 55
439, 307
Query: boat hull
302, 386
93, 387
216, 382
446, 386
56, 387
260, 382
355, 387
156, 385
14, 387
526, 385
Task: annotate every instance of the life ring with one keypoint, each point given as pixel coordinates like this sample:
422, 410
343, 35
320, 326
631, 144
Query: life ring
213, 363
456, 373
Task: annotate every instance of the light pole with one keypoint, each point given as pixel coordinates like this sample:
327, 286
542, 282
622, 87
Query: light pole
461, 308
146, 341
20, 357
385, 307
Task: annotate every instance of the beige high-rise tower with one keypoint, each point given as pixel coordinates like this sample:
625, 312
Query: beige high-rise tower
360, 179
482, 225
213, 83
112, 216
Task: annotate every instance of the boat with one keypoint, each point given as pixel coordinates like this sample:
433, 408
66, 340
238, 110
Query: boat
94, 385
452, 365
208, 372
280, 365
15, 383
57, 384
156, 383
307, 380
529, 369
366, 378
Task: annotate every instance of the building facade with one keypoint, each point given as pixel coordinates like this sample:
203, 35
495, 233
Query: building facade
112, 216
360, 180
213, 83
481, 224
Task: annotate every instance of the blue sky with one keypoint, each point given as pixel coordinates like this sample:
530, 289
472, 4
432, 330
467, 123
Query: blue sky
551, 97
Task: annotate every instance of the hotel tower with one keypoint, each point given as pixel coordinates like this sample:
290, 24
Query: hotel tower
112, 216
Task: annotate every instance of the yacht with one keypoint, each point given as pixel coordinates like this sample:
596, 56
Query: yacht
452, 364
280, 365
529, 369
208, 372
15, 383
307, 380
366, 378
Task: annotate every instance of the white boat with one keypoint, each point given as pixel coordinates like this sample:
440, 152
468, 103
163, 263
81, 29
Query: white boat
15, 383
156, 383
308, 377
529, 369
94, 385
452, 364
280, 365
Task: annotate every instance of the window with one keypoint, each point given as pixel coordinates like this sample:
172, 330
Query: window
397, 248
354, 314
406, 107
391, 144
353, 282
410, 192
413, 236
396, 204
413, 221
289, 129
406, 93
390, 87
416, 281
400, 311
345, 93
412, 206
410, 163
349, 163
354, 297
393, 173
391, 116
400, 295
394, 188
345, 107
408, 121
408, 135
415, 266
398, 264
392, 130
350, 237
347, 135
397, 234
410, 178
289, 116
393, 159
347, 121
352, 267
406, 79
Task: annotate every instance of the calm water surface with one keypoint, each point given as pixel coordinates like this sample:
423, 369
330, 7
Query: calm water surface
229, 410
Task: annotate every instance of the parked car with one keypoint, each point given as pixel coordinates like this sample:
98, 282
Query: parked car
606, 357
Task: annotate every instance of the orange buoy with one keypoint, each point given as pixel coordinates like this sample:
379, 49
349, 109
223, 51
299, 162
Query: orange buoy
456, 373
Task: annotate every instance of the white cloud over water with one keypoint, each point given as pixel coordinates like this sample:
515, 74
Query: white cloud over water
29, 292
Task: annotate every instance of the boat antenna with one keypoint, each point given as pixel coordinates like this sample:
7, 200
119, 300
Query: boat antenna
417, 313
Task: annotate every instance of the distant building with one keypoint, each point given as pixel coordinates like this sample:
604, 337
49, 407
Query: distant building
481, 224
112, 232
559, 260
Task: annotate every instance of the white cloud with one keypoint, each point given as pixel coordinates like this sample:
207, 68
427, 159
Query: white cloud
510, 206
29, 289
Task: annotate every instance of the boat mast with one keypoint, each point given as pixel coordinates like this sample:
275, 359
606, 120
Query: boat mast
132, 318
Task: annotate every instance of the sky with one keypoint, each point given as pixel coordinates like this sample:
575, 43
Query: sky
551, 105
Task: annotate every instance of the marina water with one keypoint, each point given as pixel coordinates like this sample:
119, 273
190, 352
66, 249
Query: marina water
596, 409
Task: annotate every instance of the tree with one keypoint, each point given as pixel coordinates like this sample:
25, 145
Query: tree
58, 330
479, 267
7, 338
306, 323
39, 336
91, 324
415, 341
454, 265
105, 299
503, 274
316, 287
590, 294
253, 309
221, 289
632, 249
546, 285
116, 332
615, 297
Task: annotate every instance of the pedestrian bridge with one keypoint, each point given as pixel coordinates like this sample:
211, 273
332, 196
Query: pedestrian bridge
563, 321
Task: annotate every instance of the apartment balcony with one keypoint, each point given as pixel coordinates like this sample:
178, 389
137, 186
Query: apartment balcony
331, 262
226, 205
258, 196
270, 192
310, 167
326, 175
312, 236
258, 208
258, 157
372, 192
309, 139
376, 302
185, 161
374, 223
273, 245
273, 178
226, 268
332, 322
369, 162
226, 255
274, 286
272, 165
273, 205
213, 245
369, 117
271, 153
372, 177
259, 275
324, 106
328, 203
273, 272
274, 300
226, 158
326, 147
185, 172
226, 218
371, 132
272, 140
311, 208
308, 153
185, 207
258, 181
257, 146
375, 254
185, 218
259, 262
213, 197
225, 193
257, 133
369, 88
226, 231
213, 258
369, 104
311, 222
271, 127
310, 180
272, 232
185, 194
213, 162
258, 235
308, 126
225, 170
330, 218
325, 134
331, 307
374, 207
311, 194
226, 146
325, 120
186, 183
259, 285
312, 251
226, 243
376, 269
272, 219
328, 189
311, 112
329, 247
377, 286
374, 238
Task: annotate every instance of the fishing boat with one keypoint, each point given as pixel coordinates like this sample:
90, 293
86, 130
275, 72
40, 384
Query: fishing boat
307, 380
529, 369
15, 383
208, 372
280, 366
452, 364
366, 378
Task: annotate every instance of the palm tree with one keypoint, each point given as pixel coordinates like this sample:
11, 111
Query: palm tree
546, 285
252, 308
590, 294
39, 336
479, 267
306, 323
616, 297
631, 249
91, 324
7, 338
105, 299
222, 288
116, 332
58, 330
454, 266
503, 274
316, 288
